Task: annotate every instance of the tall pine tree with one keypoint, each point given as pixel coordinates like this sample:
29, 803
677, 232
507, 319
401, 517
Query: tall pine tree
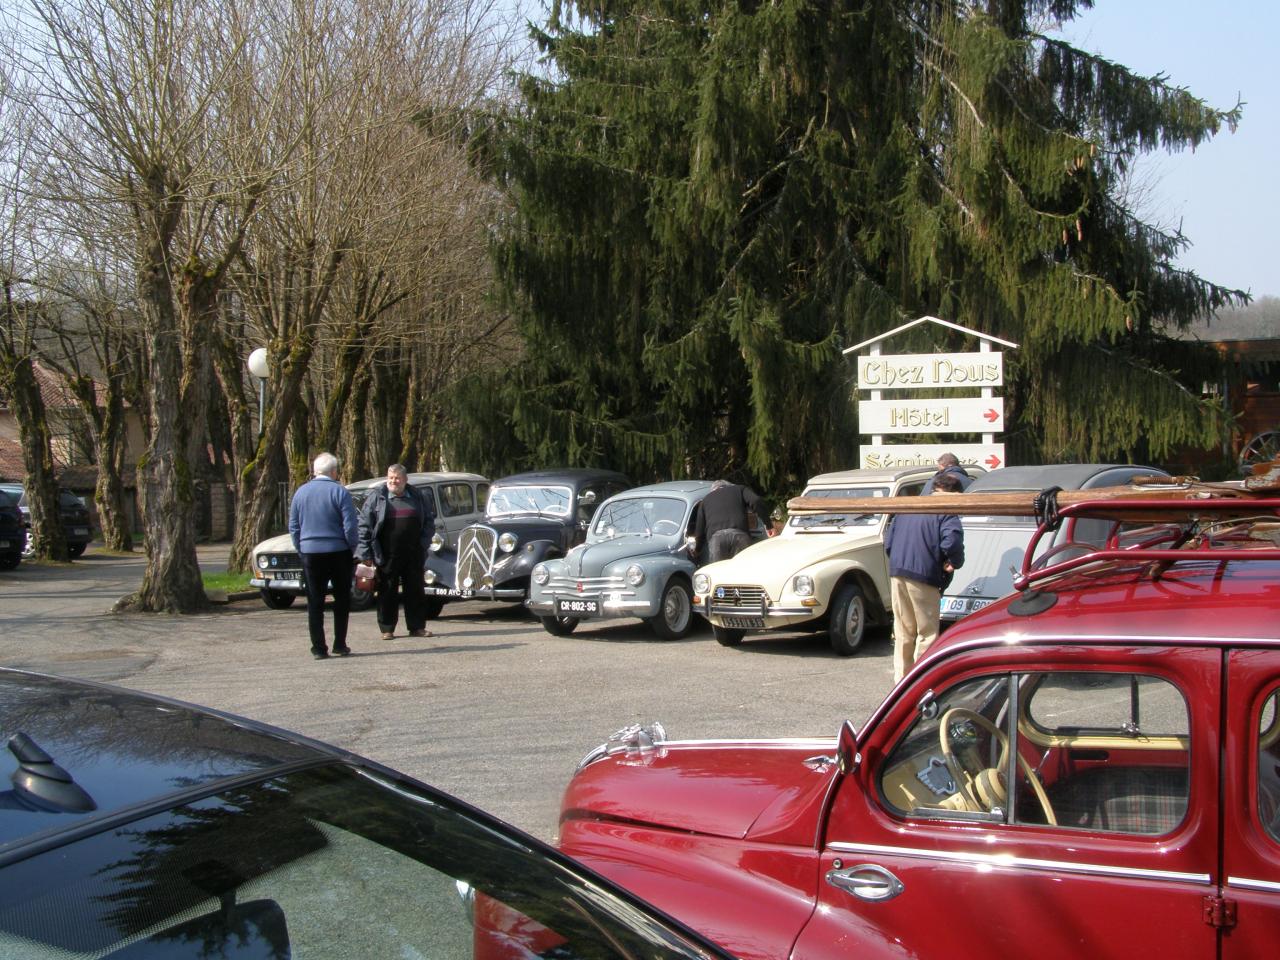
712, 198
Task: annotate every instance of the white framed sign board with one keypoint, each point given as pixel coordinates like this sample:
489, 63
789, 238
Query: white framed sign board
933, 415
917, 371
901, 456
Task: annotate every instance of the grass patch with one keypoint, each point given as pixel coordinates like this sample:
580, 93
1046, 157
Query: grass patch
225, 582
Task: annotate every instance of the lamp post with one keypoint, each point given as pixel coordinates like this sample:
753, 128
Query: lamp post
258, 366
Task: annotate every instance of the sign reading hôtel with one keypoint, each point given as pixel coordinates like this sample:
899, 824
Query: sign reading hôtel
888, 382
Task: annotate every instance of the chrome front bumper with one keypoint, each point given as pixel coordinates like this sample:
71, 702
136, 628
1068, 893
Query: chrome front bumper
610, 607
284, 586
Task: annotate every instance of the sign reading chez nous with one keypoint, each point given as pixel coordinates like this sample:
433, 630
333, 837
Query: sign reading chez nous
916, 371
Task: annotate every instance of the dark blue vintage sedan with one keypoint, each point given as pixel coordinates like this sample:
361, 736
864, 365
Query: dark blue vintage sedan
139, 827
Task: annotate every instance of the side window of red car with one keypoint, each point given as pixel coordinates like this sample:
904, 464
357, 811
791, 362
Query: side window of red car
1269, 765
1095, 751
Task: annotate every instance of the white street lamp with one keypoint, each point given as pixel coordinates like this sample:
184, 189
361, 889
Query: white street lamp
258, 366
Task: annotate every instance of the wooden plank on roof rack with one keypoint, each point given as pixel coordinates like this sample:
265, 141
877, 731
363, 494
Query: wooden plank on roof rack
1184, 497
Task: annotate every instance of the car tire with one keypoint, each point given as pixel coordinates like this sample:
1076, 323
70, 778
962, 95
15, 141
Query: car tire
76, 550
277, 600
726, 637
361, 599
675, 611
432, 608
559, 626
9, 561
847, 624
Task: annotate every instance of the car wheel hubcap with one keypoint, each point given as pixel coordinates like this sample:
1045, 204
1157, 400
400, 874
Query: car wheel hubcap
853, 622
677, 609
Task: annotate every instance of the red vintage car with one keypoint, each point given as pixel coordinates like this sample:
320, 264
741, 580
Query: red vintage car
1090, 768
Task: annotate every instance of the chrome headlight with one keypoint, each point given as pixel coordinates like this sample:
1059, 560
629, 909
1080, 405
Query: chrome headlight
701, 583
437, 542
803, 585
260, 561
541, 574
508, 542
635, 575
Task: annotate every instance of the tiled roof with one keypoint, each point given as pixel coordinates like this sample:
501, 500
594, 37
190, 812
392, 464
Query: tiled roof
54, 392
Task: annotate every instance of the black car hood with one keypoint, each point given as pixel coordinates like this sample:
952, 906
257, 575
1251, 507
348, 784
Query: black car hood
120, 748
531, 526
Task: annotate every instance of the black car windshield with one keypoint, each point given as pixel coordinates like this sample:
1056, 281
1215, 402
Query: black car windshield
810, 521
327, 862
639, 516
544, 500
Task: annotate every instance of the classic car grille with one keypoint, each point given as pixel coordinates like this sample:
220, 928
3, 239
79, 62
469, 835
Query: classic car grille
738, 596
591, 586
476, 545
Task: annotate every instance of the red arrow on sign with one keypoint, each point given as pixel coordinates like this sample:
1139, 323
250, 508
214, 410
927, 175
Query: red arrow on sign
991, 416
992, 461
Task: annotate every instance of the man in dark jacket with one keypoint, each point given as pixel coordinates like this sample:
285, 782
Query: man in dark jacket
948, 463
722, 527
924, 549
396, 525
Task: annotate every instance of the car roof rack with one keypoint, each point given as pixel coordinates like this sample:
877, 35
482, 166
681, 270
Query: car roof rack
1186, 519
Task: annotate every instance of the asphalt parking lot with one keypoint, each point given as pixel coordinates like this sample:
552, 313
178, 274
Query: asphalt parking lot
490, 708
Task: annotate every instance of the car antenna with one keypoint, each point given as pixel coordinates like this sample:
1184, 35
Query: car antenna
40, 784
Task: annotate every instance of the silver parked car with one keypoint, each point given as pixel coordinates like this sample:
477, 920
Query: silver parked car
993, 546
637, 561
457, 498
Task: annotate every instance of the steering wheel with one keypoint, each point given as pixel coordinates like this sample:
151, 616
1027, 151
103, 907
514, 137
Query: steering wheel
985, 788
659, 524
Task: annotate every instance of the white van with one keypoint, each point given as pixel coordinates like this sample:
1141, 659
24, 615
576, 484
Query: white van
994, 546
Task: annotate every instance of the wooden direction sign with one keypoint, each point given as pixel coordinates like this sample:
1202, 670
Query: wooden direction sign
889, 456
933, 415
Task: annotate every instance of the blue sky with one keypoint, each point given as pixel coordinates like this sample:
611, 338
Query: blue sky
1225, 194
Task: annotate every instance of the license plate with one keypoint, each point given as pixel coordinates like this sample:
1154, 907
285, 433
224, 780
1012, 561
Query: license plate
954, 605
979, 604
5, 544
734, 622
80, 531
575, 607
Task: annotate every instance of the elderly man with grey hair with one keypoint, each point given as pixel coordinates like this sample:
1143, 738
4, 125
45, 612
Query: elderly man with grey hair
948, 465
325, 532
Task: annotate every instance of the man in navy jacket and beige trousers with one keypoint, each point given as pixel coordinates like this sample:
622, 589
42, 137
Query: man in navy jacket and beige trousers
923, 550
325, 532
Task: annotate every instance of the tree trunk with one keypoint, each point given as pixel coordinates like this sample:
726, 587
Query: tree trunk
258, 484
172, 580
37, 457
107, 425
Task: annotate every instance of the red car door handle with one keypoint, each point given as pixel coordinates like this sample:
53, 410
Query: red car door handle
866, 881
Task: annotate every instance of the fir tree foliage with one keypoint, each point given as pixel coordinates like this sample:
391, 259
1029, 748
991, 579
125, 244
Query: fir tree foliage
713, 198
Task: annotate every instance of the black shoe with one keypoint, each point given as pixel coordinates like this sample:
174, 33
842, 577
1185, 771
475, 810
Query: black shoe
342, 651
320, 654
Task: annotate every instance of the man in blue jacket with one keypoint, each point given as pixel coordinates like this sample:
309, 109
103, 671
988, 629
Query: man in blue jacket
324, 530
924, 549
396, 524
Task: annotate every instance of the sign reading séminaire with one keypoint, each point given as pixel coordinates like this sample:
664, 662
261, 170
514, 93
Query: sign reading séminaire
889, 379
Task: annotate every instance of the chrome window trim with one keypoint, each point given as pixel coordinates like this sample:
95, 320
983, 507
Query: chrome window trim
1029, 863
1269, 886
